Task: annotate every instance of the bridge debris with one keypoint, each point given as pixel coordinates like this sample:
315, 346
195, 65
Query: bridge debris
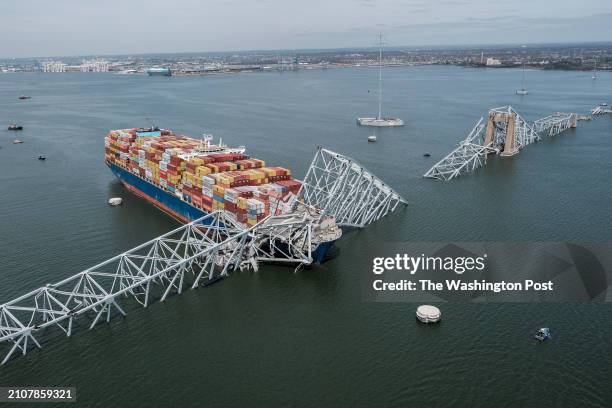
345, 189
601, 109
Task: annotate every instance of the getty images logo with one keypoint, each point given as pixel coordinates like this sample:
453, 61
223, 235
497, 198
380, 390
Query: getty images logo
413, 264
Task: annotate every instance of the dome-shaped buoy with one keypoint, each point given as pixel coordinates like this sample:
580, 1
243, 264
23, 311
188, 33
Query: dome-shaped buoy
115, 201
428, 314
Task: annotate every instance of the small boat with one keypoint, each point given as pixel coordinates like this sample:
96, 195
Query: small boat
543, 334
41, 157
115, 201
426, 155
17, 141
14, 126
25, 97
372, 138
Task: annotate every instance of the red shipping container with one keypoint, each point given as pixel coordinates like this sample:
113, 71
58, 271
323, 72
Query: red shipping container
292, 185
276, 178
207, 203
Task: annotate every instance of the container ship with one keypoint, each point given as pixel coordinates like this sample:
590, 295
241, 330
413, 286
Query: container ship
189, 178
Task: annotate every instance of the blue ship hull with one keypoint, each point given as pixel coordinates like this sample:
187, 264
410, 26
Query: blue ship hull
179, 209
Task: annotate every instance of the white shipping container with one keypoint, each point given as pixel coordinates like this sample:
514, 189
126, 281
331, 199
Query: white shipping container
256, 205
208, 181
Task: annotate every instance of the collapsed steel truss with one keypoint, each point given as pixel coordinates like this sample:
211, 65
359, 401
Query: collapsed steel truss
468, 156
554, 124
204, 248
601, 110
201, 251
345, 189
505, 133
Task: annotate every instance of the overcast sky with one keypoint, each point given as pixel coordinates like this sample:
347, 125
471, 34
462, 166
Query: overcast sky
86, 27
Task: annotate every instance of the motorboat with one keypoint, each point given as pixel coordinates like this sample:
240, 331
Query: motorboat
543, 334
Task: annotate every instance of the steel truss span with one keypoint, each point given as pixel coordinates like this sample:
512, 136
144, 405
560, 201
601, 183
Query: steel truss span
554, 124
203, 250
505, 133
346, 190
470, 154
601, 110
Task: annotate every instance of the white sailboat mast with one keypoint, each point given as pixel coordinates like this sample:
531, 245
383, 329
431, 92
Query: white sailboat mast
380, 76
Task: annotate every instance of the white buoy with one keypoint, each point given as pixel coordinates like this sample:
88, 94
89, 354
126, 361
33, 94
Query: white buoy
115, 201
428, 314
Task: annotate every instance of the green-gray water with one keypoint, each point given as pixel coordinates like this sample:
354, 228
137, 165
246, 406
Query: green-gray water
278, 338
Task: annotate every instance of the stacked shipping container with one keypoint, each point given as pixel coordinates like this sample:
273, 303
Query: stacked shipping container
233, 182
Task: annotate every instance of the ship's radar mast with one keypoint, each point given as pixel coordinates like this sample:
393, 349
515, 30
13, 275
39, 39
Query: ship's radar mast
206, 140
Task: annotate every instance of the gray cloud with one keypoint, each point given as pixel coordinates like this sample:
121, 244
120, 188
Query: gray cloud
74, 27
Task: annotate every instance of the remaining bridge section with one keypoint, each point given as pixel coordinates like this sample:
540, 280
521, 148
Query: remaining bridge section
342, 187
554, 124
505, 133
601, 109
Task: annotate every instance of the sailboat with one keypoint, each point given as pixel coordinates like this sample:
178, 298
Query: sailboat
595, 71
380, 121
523, 90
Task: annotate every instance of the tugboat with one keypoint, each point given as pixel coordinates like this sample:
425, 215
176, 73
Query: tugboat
543, 334
14, 126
